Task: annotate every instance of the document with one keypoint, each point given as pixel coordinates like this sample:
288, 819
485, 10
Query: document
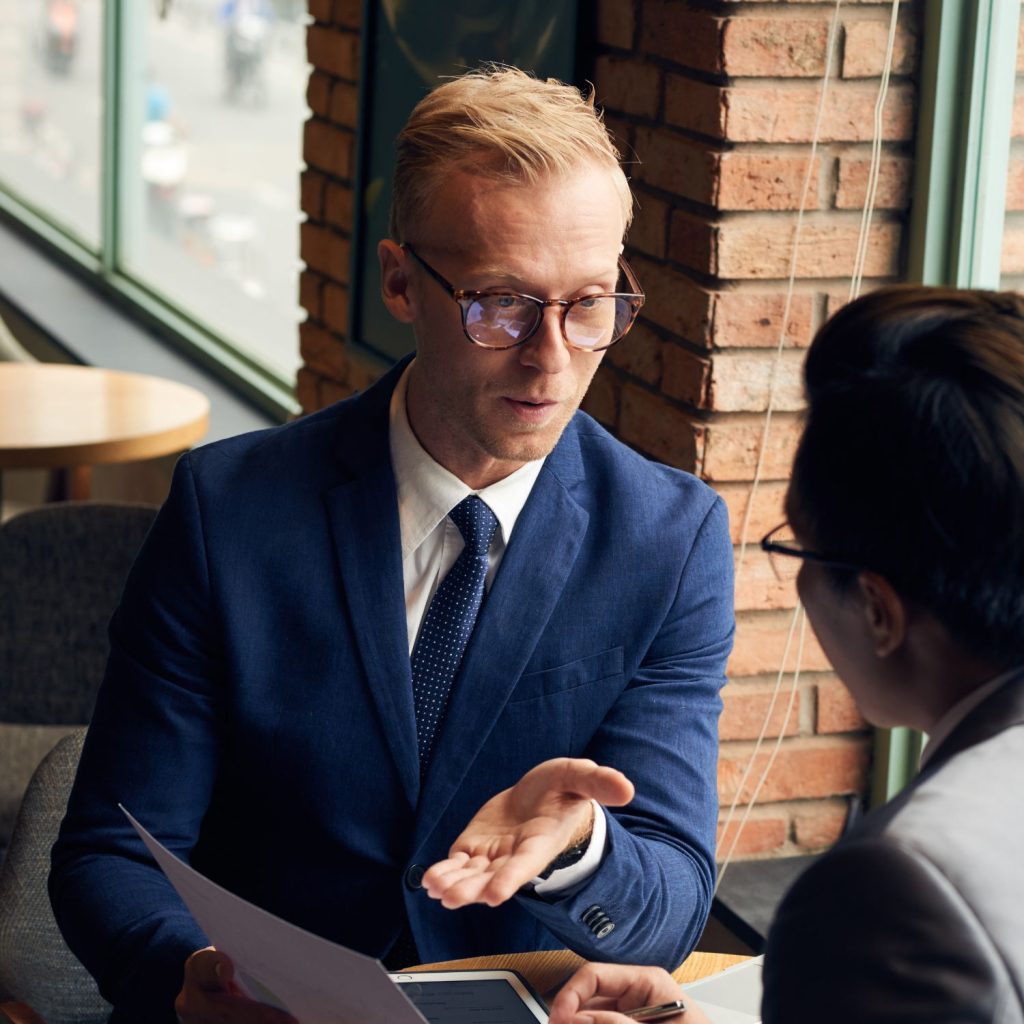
316, 981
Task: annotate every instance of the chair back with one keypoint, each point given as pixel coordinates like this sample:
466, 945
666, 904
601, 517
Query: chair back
36, 966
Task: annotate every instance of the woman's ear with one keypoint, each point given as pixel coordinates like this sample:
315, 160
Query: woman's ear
885, 612
394, 280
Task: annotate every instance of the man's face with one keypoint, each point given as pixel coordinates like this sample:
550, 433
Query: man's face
482, 413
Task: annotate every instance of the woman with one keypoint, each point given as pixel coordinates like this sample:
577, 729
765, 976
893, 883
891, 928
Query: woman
906, 506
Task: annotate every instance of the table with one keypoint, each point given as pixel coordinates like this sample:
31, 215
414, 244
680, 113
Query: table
71, 418
545, 971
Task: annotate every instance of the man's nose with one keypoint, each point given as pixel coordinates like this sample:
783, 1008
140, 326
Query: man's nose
547, 350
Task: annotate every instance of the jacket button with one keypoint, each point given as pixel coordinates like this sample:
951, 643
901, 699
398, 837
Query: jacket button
599, 923
414, 876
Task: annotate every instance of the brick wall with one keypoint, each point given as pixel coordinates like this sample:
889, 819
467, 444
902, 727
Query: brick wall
716, 103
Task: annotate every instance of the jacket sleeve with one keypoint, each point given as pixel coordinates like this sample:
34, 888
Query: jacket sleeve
655, 883
874, 931
152, 747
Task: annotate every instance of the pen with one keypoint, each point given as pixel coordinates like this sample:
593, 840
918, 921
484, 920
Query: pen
661, 1012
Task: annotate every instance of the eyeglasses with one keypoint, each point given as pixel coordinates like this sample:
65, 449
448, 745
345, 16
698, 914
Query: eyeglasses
505, 319
781, 542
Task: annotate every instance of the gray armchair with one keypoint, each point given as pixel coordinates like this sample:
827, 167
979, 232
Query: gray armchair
62, 569
36, 967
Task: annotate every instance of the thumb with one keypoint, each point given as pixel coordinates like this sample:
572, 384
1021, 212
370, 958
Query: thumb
608, 786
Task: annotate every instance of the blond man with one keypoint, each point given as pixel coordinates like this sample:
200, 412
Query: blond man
366, 661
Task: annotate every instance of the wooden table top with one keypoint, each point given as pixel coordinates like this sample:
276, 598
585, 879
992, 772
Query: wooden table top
53, 415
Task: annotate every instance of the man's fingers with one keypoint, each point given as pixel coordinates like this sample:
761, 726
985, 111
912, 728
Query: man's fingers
608, 786
628, 986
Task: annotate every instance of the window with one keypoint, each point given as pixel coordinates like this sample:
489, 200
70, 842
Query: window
165, 138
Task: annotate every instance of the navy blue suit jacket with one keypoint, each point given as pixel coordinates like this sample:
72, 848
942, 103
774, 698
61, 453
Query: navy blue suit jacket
257, 711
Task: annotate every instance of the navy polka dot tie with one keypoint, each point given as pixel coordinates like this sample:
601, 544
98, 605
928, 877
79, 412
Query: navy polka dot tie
449, 622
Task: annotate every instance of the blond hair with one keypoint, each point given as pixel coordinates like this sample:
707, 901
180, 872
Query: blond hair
499, 122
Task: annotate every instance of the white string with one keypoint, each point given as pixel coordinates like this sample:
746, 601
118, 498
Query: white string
798, 613
791, 282
876, 160
856, 281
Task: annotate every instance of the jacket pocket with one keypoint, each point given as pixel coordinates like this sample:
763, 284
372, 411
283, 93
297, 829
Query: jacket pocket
581, 672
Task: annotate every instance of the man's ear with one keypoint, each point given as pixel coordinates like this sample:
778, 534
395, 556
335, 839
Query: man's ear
885, 612
394, 280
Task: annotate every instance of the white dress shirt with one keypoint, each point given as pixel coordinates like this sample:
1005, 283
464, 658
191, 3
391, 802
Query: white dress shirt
431, 543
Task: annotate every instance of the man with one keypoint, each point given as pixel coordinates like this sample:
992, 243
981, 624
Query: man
309, 695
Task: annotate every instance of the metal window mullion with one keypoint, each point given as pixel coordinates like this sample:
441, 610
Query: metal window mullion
110, 163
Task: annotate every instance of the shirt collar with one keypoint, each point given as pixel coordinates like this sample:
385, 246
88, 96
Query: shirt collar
427, 491
944, 727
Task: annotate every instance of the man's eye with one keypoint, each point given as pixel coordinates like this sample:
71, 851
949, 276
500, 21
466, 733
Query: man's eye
588, 301
506, 301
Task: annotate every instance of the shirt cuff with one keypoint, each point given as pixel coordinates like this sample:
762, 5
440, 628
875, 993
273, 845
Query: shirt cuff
575, 874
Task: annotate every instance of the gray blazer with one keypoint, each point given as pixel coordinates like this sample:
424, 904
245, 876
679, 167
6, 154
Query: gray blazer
918, 914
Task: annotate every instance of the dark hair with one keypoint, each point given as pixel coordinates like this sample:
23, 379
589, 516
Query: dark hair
912, 457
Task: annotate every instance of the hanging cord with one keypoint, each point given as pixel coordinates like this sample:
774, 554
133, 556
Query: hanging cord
798, 613
876, 160
862, 246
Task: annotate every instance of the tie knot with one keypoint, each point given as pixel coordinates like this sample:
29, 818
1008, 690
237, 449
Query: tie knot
476, 523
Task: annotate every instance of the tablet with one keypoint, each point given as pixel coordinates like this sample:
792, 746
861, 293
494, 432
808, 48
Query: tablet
473, 997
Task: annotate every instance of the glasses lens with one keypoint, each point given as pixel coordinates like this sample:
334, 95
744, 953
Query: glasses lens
596, 323
497, 321
785, 566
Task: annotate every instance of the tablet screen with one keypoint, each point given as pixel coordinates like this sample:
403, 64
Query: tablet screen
479, 1001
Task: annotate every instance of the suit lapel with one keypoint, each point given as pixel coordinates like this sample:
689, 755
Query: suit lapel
993, 715
532, 576
363, 515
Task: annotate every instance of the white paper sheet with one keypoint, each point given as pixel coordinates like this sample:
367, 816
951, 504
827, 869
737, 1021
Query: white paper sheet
316, 981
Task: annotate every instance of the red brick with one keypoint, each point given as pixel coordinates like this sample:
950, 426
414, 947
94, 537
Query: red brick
329, 148
741, 380
362, 371
686, 376
765, 515
602, 398
1015, 185
344, 106
676, 164
639, 354
336, 308
348, 13
1017, 125
321, 10
649, 230
307, 389
820, 825
751, 247
334, 391
760, 835
322, 352
766, 181
746, 705
892, 191
1013, 246
334, 52
310, 288
803, 768
761, 642
747, 319
730, 446
786, 111
622, 133
674, 31
774, 47
628, 86
616, 23
837, 711
652, 424
318, 93
674, 301
311, 187
865, 43
325, 251
339, 204
757, 586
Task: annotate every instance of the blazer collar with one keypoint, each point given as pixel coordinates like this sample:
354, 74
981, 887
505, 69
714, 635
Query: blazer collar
1001, 710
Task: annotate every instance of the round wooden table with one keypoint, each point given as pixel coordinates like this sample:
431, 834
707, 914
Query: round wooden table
71, 418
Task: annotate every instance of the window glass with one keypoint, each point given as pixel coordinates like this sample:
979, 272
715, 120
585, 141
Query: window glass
211, 149
1013, 229
51, 109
